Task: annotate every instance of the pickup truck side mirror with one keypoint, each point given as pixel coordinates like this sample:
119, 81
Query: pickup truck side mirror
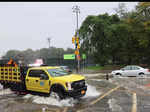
70, 71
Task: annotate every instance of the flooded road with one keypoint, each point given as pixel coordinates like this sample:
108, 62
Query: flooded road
113, 95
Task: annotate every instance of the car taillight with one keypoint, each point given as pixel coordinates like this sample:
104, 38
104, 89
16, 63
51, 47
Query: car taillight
148, 70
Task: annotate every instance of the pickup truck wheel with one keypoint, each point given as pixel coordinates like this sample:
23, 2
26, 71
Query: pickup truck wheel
54, 95
141, 74
58, 94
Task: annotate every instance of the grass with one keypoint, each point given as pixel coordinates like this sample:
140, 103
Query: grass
94, 68
107, 67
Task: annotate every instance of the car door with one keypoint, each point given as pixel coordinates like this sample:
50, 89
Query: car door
135, 70
126, 71
35, 82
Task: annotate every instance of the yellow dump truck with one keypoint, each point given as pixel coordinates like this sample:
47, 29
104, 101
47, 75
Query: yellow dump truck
43, 79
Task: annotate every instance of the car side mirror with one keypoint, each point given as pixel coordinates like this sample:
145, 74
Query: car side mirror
122, 69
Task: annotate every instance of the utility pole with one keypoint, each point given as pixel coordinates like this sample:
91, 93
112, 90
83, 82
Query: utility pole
49, 41
77, 11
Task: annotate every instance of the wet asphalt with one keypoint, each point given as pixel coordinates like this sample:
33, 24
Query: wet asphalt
120, 100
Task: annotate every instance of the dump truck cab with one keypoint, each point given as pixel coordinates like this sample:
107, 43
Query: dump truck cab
48, 79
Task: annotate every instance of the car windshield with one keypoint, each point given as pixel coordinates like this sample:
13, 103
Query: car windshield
57, 72
64, 67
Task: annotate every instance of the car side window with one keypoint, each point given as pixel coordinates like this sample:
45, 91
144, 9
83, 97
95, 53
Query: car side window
34, 73
127, 68
43, 75
37, 73
135, 68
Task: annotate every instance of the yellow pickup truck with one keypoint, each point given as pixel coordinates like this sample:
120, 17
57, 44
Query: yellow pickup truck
43, 79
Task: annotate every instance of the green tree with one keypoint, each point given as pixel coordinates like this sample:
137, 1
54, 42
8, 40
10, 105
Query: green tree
122, 11
94, 34
143, 9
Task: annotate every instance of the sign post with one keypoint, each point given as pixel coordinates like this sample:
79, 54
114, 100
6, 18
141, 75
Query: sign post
77, 47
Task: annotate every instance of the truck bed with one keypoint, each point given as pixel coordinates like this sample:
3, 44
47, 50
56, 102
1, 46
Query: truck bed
10, 74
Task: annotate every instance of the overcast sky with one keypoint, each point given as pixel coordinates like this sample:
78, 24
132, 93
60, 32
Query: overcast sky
26, 25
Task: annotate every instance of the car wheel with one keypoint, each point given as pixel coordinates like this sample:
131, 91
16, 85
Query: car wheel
119, 74
141, 74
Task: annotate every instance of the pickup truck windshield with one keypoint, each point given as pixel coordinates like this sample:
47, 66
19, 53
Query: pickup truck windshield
57, 72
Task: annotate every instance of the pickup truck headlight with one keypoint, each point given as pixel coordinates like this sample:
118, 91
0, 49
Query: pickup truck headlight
68, 84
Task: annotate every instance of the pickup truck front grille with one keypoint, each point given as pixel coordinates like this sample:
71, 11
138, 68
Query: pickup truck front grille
78, 84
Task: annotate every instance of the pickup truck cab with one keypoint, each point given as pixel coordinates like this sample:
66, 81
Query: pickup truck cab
48, 79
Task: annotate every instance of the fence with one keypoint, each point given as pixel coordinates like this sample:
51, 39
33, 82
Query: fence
60, 62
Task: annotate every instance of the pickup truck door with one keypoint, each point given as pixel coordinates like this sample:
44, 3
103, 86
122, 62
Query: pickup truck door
44, 82
38, 80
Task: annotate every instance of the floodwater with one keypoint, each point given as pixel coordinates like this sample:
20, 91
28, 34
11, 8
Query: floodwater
10, 102
118, 101
91, 92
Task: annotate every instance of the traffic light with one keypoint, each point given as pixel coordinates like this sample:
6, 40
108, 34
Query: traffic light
73, 40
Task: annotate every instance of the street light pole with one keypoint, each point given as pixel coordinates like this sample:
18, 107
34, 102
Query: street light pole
49, 41
77, 11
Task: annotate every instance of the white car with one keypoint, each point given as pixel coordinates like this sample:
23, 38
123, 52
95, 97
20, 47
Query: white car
131, 70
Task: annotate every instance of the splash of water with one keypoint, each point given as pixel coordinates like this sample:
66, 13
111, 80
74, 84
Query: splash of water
91, 92
53, 101
5, 92
50, 100
1, 86
27, 96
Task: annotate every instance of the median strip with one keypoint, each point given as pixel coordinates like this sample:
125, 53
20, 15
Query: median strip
106, 94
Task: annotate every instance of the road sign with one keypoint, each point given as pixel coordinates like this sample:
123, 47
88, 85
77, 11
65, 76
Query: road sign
78, 57
83, 56
76, 52
69, 56
73, 40
78, 46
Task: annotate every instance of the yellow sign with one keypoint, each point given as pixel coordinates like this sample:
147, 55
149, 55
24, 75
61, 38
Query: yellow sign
76, 52
78, 46
73, 40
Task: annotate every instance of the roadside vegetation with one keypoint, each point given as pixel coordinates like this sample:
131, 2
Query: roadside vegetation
30, 55
122, 38
119, 39
106, 67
